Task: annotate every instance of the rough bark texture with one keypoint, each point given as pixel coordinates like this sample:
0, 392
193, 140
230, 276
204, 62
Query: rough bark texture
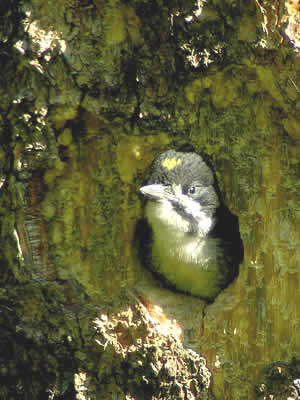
91, 92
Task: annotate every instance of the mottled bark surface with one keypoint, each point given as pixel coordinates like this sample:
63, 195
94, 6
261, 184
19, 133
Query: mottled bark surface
91, 92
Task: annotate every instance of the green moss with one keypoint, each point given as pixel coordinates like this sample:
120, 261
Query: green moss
163, 87
247, 28
207, 82
180, 123
252, 87
91, 104
134, 25
270, 84
225, 90
192, 90
56, 234
61, 114
291, 92
262, 115
134, 154
162, 139
53, 173
114, 23
292, 126
2, 158
8, 224
48, 209
130, 153
193, 118
68, 218
65, 138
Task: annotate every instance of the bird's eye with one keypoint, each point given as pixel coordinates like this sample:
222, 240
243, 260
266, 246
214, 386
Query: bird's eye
192, 190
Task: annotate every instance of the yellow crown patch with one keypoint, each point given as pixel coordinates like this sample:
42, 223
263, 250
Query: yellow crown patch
170, 163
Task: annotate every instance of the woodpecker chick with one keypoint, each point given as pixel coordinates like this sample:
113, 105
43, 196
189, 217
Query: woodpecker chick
181, 211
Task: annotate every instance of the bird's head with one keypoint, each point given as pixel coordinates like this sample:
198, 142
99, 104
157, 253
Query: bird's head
181, 188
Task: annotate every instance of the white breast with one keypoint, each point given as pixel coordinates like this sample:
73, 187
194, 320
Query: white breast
189, 261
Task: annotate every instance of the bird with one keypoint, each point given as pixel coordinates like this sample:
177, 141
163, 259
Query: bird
188, 247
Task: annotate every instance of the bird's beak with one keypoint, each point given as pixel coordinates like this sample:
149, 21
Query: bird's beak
156, 192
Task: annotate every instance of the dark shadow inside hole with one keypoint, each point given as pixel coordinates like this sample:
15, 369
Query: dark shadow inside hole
227, 228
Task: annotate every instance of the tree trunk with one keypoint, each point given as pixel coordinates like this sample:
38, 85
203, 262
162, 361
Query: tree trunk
91, 93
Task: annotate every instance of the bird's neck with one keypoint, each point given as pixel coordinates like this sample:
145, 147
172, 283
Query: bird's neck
166, 221
204, 224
